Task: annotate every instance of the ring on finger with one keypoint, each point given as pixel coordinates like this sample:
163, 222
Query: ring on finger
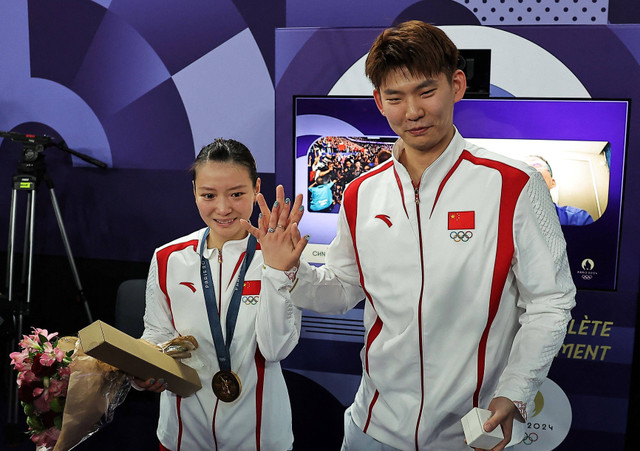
280, 226
271, 230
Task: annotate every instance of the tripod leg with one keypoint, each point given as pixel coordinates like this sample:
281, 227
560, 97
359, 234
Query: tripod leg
10, 250
12, 414
20, 308
67, 248
27, 263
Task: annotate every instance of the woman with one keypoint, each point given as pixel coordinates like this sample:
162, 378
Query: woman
243, 403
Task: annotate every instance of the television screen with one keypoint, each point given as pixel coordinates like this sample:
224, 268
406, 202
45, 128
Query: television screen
579, 143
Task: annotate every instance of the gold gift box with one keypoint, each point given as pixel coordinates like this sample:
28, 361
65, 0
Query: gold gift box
137, 358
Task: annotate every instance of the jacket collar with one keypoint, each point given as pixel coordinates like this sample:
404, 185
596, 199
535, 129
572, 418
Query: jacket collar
439, 168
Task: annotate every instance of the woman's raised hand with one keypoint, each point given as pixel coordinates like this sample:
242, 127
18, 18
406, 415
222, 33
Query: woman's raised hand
277, 231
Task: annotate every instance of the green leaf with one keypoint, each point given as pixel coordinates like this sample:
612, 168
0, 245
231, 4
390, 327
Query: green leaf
28, 409
34, 423
57, 404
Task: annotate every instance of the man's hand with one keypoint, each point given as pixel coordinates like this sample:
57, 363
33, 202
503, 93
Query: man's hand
504, 411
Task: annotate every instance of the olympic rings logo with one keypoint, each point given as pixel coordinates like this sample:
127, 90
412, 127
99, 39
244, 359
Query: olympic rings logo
530, 438
250, 300
587, 276
461, 236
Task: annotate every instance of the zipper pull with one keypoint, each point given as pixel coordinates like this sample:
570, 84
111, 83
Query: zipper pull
219, 255
417, 195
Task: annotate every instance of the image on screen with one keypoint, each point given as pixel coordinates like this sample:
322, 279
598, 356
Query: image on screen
334, 161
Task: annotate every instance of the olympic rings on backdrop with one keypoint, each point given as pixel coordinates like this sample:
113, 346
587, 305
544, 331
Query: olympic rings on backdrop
461, 236
530, 438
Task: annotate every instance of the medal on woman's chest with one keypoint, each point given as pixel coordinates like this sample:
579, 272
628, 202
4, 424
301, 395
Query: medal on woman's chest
225, 383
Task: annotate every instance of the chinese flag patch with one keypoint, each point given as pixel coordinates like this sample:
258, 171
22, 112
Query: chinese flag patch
251, 287
462, 220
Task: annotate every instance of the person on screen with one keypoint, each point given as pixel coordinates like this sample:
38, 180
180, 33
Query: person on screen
243, 403
382, 156
357, 169
320, 167
458, 255
321, 195
568, 215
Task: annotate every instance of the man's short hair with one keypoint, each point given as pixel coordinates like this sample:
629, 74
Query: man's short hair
424, 50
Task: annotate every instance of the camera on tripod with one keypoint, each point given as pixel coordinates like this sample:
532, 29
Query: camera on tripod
32, 145
31, 166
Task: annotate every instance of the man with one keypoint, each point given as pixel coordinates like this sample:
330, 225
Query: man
567, 214
357, 170
458, 254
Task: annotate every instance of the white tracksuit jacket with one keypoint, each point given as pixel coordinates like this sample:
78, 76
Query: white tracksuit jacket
467, 286
265, 333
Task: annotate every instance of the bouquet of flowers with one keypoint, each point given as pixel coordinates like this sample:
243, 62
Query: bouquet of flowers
66, 394
43, 378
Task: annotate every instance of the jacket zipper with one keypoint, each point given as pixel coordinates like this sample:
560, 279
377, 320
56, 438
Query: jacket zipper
417, 199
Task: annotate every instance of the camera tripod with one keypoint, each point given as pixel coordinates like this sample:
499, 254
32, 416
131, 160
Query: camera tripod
31, 172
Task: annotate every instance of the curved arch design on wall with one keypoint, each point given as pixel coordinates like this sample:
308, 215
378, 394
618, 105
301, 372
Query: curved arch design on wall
117, 79
519, 67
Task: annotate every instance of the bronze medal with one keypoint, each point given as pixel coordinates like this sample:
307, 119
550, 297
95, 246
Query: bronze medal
226, 385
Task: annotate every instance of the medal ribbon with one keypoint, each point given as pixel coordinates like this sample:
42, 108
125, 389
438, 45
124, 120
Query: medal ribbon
222, 348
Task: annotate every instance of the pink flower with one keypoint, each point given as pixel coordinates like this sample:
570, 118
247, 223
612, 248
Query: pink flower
46, 438
43, 395
51, 436
59, 354
57, 388
46, 359
20, 360
64, 372
30, 343
51, 355
41, 400
37, 438
45, 333
26, 377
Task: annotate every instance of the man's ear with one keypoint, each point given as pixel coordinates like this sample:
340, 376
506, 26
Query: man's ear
378, 99
459, 84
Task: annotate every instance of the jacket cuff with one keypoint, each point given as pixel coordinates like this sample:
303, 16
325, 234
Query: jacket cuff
522, 408
280, 278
